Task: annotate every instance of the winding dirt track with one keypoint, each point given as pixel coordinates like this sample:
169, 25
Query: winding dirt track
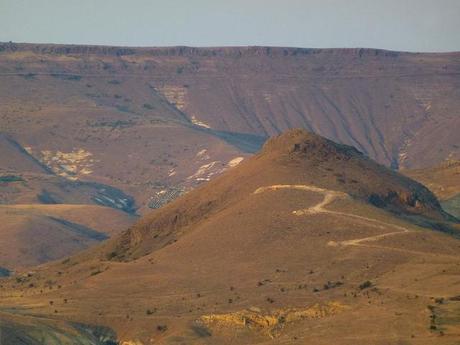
329, 197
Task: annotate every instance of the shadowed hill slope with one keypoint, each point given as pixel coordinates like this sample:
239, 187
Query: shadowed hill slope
16, 158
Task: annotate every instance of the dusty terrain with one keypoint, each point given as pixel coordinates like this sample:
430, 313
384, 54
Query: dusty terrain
45, 217
308, 241
32, 234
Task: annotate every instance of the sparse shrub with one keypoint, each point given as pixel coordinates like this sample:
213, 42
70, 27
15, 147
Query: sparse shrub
49, 283
64, 76
331, 285
73, 77
11, 178
29, 76
148, 106
95, 272
201, 331
367, 284
123, 108
111, 255
162, 328
110, 342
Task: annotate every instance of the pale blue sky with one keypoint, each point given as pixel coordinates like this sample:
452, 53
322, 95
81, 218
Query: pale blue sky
412, 25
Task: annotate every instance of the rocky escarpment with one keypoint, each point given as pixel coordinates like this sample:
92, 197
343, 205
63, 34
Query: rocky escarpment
394, 106
63, 49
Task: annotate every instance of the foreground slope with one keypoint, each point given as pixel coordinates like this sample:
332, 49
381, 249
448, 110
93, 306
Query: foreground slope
307, 242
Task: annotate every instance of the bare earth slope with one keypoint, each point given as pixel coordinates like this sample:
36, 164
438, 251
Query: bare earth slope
31, 234
45, 217
157, 121
307, 242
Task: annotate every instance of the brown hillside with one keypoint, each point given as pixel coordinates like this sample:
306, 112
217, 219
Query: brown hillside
15, 158
289, 247
296, 157
33, 234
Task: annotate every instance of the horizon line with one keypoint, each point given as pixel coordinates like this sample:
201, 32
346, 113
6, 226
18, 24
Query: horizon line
227, 47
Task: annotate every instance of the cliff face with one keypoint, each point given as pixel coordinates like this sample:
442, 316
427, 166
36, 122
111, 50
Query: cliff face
189, 51
385, 103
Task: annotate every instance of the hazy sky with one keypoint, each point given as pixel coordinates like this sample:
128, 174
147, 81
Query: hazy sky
413, 25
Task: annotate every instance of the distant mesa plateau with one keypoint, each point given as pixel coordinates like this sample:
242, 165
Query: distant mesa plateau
308, 241
155, 123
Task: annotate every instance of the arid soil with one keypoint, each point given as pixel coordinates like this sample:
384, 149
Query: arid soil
308, 241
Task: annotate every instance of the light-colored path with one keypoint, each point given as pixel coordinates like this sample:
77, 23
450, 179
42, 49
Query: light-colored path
329, 197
